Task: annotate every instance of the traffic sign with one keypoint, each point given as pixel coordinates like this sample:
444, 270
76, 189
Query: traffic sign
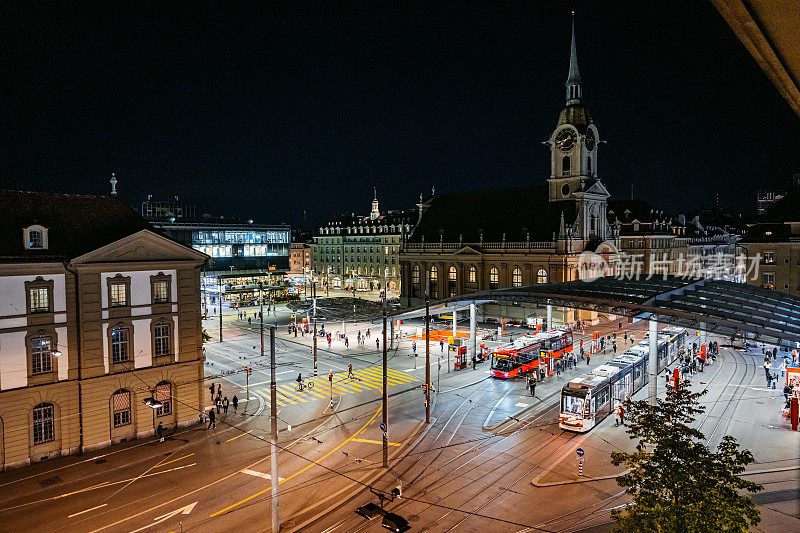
579, 451
383, 427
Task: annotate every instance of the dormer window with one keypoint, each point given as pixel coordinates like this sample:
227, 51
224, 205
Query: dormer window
35, 237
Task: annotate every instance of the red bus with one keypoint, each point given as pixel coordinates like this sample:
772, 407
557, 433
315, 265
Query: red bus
553, 349
523, 355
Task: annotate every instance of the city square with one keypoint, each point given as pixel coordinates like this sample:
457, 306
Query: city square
305, 267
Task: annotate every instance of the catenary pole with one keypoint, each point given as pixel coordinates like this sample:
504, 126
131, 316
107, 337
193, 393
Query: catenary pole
385, 393
273, 437
219, 298
652, 362
427, 346
314, 304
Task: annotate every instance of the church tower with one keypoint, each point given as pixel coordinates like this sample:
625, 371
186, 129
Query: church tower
573, 159
375, 213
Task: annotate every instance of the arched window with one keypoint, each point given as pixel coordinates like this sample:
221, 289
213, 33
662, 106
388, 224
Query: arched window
589, 165
121, 406
44, 423
452, 280
541, 276
494, 278
516, 278
453, 276
163, 393
473, 274
565, 166
434, 280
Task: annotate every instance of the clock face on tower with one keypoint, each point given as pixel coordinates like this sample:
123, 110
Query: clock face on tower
590, 140
565, 140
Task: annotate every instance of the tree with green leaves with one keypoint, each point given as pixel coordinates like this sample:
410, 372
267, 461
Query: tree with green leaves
677, 483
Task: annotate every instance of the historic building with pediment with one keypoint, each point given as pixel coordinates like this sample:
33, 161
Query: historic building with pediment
473, 241
100, 334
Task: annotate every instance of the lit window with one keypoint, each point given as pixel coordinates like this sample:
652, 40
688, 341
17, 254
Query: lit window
769, 257
119, 345
41, 358
516, 278
119, 295
541, 276
434, 293
121, 402
40, 300
163, 393
453, 274
494, 278
160, 291
473, 274
768, 280
43, 425
161, 340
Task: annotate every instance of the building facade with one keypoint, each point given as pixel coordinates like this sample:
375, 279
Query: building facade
300, 259
97, 313
361, 252
469, 242
242, 246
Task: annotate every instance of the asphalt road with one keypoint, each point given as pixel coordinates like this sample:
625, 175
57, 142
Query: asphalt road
456, 475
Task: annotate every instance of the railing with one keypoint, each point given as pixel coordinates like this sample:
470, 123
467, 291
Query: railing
533, 245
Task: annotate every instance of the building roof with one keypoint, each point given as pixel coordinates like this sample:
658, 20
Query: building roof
514, 212
75, 223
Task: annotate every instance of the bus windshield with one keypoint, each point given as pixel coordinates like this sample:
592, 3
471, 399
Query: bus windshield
503, 365
572, 404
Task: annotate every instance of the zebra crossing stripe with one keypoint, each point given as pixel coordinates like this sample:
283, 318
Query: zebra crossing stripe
289, 393
379, 376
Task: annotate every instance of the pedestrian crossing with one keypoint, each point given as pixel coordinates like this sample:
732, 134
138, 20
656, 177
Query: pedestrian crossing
365, 379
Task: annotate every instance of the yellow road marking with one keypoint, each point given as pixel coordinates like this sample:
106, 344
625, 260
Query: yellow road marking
283, 397
403, 376
237, 436
259, 493
376, 442
178, 459
379, 376
287, 391
317, 394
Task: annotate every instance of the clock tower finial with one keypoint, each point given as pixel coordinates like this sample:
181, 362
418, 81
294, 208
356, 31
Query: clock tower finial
574, 79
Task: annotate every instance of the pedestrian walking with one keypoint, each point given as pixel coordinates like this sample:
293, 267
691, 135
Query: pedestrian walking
766, 370
350, 371
532, 385
225, 404
621, 414
588, 356
235, 403
218, 404
441, 345
633, 339
160, 432
219, 389
474, 362
211, 388
774, 379
346, 342
783, 367
626, 336
377, 343
617, 416
212, 420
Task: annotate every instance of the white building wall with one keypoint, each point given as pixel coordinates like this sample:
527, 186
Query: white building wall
62, 362
13, 290
140, 285
13, 360
143, 355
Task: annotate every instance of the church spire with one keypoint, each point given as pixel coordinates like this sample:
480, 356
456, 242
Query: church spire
375, 213
574, 78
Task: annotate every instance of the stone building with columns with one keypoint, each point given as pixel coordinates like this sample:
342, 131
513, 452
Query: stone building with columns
98, 312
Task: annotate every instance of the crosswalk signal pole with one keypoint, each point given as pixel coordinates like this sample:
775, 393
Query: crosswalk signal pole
427, 346
330, 380
219, 300
273, 437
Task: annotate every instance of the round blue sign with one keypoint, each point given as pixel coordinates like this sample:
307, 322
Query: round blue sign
383, 427
579, 451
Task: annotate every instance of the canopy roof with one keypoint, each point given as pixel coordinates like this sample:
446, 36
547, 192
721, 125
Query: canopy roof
716, 306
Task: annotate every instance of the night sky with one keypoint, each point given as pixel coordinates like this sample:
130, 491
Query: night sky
265, 112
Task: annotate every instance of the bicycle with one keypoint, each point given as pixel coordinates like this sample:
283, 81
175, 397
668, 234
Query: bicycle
304, 384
